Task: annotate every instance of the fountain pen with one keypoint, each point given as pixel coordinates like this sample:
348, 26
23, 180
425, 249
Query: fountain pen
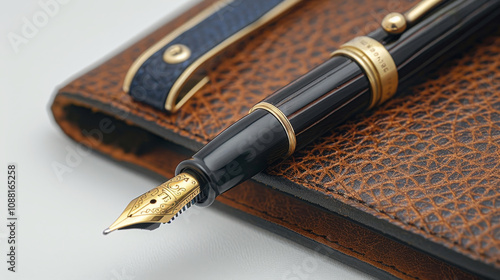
360, 75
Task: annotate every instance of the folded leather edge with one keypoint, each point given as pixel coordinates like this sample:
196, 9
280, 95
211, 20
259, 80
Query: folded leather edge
348, 254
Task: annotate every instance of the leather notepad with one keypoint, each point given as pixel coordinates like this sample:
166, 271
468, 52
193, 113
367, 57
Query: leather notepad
410, 189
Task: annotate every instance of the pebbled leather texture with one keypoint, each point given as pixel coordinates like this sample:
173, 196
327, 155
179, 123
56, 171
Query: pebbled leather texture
154, 79
422, 169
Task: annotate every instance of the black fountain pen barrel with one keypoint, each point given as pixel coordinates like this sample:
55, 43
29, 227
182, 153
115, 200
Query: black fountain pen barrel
314, 103
362, 73
327, 96
323, 98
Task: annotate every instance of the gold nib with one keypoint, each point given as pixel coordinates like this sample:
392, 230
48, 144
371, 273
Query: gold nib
159, 205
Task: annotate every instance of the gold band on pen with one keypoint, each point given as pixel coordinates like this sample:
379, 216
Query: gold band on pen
377, 64
292, 140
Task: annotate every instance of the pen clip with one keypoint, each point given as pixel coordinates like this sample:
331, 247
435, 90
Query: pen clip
172, 70
396, 23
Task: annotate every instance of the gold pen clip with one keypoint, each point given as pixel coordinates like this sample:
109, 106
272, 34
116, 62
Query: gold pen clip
396, 23
179, 68
376, 62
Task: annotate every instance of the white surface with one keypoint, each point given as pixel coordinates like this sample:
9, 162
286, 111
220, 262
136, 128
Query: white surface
60, 222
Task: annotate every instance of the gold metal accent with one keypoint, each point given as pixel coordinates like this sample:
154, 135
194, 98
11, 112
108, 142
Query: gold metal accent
290, 133
377, 64
160, 204
396, 23
173, 106
176, 54
191, 77
420, 9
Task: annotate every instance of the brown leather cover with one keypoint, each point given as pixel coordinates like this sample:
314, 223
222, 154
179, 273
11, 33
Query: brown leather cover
410, 189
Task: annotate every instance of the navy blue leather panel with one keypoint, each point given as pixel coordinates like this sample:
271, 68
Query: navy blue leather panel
153, 80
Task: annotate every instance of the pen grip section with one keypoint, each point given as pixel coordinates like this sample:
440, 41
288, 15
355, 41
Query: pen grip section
242, 150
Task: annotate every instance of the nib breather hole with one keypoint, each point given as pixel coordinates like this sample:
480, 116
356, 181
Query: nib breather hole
153, 201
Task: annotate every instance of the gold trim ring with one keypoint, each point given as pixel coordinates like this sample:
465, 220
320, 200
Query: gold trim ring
377, 64
290, 133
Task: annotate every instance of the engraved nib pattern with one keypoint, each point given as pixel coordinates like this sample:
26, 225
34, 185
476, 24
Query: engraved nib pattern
159, 205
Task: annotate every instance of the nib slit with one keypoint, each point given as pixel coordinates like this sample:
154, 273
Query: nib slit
147, 210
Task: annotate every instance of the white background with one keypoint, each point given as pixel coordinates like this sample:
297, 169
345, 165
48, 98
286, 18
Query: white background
60, 222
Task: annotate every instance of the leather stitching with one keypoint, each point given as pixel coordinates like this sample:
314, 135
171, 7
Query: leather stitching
321, 236
159, 119
443, 238
394, 217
